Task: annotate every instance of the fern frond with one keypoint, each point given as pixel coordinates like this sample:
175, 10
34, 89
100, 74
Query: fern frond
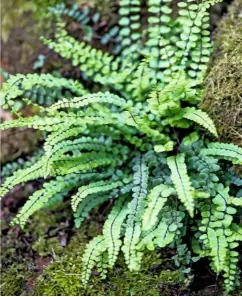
181, 181
155, 200
225, 151
92, 256
59, 120
84, 162
164, 232
43, 89
93, 188
60, 135
130, 23
218, 245
112, 229
135, 211
101, 67
77, 102
131, 239
41, 197
21, 163
158, 44
22, 176
201, 118
102, 265
86, 206
231, 270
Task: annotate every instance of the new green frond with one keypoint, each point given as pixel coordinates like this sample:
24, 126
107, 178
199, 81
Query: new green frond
78, 102
135, 211
93, 188
112, 229
43, 89
224, 151
181, 181
155, 200
22, 176
92, 256
218, 245
41, 197
201, 118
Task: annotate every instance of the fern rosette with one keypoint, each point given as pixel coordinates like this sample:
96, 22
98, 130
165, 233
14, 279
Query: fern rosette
134, 144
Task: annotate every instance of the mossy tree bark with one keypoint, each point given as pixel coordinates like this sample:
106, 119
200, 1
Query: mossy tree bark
223, 86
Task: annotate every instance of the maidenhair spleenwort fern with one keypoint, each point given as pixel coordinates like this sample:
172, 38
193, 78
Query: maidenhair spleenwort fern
130, 146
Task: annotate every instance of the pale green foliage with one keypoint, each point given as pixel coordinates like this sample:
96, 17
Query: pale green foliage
129, 146
112, 230
156, 199
40, 89
93, 256
41, 197
181, 181
225, 151
201, 118
92, 188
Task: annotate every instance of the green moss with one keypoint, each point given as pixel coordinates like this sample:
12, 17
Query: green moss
223, 87
62, 276
13, 282
43, 266
45, 247
170, 277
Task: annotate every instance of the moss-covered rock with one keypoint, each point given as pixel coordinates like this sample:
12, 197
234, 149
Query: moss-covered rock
223, 87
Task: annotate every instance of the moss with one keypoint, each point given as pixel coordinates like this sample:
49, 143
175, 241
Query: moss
47, 255
13, 282
170, 277
223, 88
62, 276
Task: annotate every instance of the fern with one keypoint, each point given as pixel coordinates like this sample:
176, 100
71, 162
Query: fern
156, 199
130, 26
92, 188
225, 151
112, 229
41, 89
181, 181
126, 143
41, 197
135, 210
201, 118
92, 256
86, 206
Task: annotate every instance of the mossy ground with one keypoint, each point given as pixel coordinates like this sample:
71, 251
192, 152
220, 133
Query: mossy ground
63, 276
46, 260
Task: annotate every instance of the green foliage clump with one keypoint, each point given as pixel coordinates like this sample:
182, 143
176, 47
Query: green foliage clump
141, 146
